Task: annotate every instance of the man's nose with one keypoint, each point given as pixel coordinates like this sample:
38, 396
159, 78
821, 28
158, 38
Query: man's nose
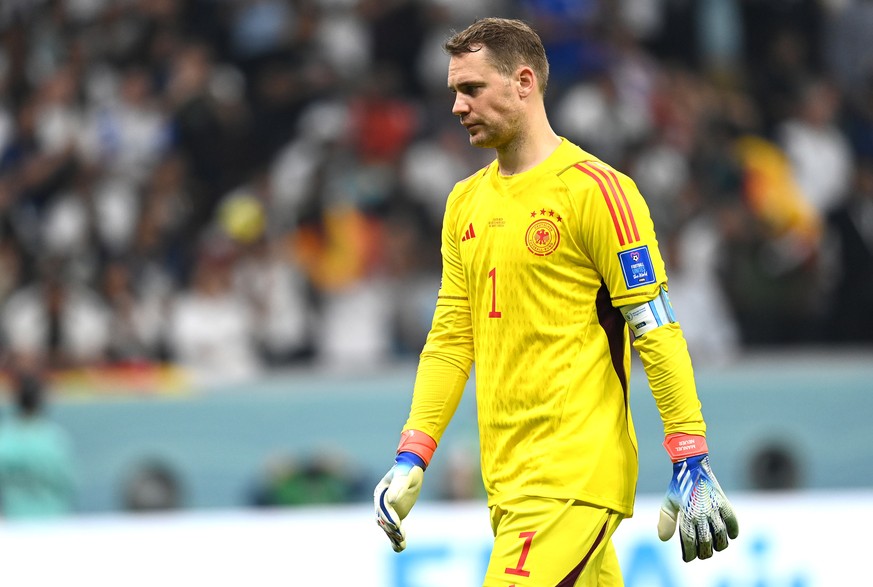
460, 107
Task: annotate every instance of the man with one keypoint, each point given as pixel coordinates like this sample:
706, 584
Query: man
547, 254
37, 469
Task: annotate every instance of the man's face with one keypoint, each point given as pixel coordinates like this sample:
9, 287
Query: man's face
485, 101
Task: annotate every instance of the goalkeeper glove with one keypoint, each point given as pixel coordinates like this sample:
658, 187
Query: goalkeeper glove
398, 490
396, 494
695, 500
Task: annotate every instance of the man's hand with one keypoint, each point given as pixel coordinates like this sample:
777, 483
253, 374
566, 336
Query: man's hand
696, 501
395, 495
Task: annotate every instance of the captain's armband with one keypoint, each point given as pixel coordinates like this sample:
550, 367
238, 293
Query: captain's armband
647, 316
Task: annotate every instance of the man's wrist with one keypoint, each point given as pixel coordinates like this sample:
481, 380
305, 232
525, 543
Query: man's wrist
681, 446
417, 443
410, 459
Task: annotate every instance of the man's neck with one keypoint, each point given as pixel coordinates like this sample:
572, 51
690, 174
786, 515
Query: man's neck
527, 151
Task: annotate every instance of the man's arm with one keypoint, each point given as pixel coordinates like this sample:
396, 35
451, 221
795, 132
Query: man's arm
664, 354
439, 384
694, 498
443, 371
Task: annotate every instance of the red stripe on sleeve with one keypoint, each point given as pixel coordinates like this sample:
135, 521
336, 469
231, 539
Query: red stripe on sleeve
630, 212
600, 170
593, 176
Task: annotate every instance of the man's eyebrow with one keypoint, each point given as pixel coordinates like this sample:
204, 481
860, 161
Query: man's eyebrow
466, 84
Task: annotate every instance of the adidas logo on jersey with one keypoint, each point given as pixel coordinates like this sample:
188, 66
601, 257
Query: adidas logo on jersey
469, 233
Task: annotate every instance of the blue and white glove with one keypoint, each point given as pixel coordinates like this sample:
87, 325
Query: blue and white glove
696, 501
395, 495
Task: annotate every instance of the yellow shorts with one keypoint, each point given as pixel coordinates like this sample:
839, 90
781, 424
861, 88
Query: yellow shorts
542, 542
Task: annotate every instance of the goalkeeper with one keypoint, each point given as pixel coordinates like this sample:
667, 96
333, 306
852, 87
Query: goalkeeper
550, 269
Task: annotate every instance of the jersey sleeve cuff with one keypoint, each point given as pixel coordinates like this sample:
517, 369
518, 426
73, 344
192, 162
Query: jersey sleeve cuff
681, 446
418, 443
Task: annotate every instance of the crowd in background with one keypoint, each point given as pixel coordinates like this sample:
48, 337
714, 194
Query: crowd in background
236, 185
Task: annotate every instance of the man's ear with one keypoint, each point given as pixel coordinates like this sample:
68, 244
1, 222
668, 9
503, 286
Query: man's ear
526, 81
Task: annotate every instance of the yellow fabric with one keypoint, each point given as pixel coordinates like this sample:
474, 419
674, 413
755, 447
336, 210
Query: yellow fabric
531, 273
443, 371
664, 355
553, 542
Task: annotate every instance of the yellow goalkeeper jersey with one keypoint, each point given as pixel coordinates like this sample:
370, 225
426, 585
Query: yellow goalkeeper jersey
535, 266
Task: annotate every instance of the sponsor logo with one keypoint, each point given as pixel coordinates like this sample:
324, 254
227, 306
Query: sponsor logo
469, 233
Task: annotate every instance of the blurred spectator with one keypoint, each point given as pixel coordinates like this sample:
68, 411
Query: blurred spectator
783, 45
397, 31
702, 307
720, 27
152, 485
301, 169
59, 119
775, 466
211, 328
129, 132
429, 169
596, 116
341, 41
34, 171
161, 249
663, 174
382, 121
211, 125
68, 230
848, 51
572, 36
37, 470
813, 143
11, 265
261, 27
857, 120
410, 269
851, 226
137, 328
772, 270
323, 478
266, 276
58, 318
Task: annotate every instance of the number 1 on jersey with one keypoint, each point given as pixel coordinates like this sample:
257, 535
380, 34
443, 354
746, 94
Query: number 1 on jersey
493, 313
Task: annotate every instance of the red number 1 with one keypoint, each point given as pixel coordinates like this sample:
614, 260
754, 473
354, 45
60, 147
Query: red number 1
525, 549
493, 313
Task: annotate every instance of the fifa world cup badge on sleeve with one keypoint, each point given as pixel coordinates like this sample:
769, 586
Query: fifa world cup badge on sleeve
636, 266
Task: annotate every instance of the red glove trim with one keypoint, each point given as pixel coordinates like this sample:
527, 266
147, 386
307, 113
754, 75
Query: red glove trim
418, 443
680, 446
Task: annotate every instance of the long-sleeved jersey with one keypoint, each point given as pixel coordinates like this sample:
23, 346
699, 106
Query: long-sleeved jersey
535, 267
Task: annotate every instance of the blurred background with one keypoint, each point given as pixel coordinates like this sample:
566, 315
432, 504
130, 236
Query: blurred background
219, 256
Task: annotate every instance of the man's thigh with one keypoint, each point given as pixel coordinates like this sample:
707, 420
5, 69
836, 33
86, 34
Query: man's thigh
552, 543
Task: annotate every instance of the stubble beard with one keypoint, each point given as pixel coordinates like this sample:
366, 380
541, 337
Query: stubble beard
489, 136
505, 139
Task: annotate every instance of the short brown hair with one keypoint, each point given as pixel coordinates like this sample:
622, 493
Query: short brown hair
511, 43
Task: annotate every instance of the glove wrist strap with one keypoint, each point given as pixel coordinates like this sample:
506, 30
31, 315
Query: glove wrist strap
418, 443
681, 446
